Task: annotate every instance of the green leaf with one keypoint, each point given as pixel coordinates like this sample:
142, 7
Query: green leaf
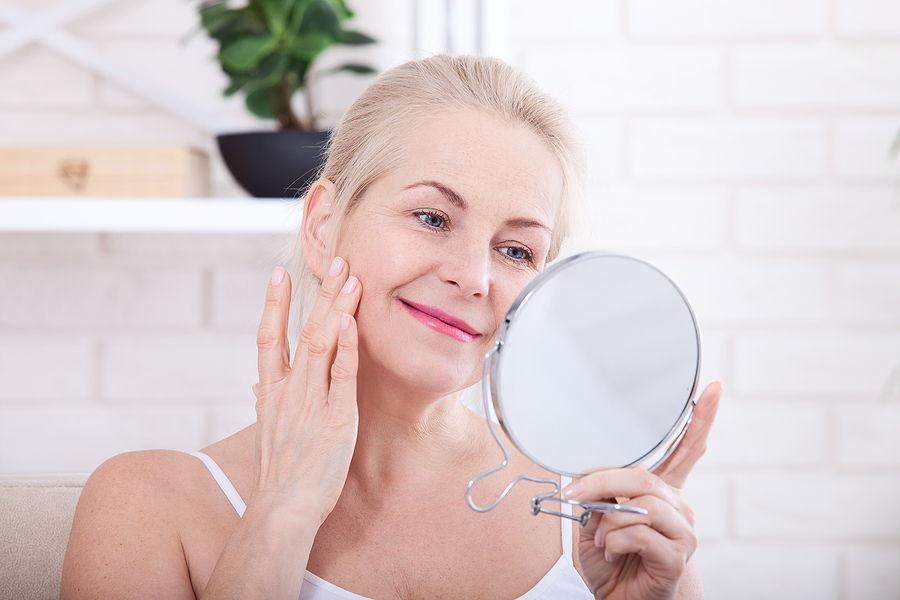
309, 46
260, 103
222, 23
276, 13
320, 16
340, 9
354, 38
271, 73
351, 67
247, 52
211, 15
297, 15
235, 86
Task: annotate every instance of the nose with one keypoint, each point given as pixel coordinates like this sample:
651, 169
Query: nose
469, 269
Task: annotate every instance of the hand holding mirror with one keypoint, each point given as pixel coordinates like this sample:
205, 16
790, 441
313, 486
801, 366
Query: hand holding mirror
595, 367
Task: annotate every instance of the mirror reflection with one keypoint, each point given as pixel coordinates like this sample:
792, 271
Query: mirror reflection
597, 363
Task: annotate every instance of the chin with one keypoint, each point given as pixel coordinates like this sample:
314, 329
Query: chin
428, 372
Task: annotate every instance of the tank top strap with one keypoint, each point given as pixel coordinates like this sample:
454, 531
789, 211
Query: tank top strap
566, 523
224, 483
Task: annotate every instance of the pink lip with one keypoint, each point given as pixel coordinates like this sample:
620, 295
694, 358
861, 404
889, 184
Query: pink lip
441, 321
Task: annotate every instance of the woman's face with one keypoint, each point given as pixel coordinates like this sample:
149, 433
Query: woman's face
443, 245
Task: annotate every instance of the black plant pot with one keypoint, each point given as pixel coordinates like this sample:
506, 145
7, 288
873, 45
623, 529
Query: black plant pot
274, 164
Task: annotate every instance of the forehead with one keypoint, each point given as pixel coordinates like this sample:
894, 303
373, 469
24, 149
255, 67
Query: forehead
485, 160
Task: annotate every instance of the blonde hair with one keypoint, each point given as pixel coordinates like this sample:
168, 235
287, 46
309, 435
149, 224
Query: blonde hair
365, 148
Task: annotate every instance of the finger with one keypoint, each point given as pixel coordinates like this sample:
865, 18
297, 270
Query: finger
330, 290
346, 363
673, 523
323, 344
630, 482
274, 360
660, 554
677, 467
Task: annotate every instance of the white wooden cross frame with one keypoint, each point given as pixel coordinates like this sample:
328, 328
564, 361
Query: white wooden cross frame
46, 28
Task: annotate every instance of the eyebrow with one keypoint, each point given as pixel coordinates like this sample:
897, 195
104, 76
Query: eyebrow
459, 202
451, 195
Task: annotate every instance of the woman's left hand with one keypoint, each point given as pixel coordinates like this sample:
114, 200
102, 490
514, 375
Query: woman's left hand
632, 556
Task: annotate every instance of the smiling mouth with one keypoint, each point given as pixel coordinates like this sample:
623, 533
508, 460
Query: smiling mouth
441, 321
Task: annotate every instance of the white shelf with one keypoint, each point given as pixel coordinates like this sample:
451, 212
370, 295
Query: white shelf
149, 215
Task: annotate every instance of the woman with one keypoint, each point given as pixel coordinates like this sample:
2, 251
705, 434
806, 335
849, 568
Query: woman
449, 186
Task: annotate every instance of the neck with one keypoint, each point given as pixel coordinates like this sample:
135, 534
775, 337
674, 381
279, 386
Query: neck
408, 438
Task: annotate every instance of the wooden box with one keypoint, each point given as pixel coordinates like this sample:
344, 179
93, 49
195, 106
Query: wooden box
155, 171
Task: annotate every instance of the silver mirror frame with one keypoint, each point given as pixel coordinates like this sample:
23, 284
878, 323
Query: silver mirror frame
492, 397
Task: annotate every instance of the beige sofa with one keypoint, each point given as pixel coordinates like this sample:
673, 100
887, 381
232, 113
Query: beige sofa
35, 518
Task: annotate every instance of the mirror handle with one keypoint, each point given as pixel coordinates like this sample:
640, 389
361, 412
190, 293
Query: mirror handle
536, 508
486, 395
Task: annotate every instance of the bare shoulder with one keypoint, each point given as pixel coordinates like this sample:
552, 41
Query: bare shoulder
126, 537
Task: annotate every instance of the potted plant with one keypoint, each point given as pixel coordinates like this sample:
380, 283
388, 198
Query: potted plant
267, 48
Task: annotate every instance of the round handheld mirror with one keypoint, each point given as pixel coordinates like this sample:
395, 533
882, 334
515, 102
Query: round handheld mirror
595, 367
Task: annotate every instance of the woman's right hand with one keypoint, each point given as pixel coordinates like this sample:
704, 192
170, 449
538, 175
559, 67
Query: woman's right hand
306, 412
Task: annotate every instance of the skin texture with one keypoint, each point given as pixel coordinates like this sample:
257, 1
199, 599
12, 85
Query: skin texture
361, 450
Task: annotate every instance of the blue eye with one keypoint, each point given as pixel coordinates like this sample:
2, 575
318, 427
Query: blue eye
517, 254
432, 220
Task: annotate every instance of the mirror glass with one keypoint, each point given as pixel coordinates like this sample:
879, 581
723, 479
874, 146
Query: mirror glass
596, 365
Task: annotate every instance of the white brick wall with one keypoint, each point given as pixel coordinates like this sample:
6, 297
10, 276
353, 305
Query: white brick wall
623, 80
727, 19
742, 145
814, 505
814, 364
111, 343
872, 573
69, 439
860, 149
817, 76
867, 436
733, 149
867, 18
770, 572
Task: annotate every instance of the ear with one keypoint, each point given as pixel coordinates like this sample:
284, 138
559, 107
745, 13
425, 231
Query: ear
316, 212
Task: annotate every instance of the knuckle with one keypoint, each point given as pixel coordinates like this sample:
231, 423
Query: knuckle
273, 300
328, 293
318, 346
651, 504
641, 535
346, 345
307, 333
646, 479
341, 372
267, 338
693, 541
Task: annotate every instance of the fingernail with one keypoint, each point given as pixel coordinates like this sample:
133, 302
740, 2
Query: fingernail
345, 321
573, 490
336, 266
350, 285
277, 277
608, 556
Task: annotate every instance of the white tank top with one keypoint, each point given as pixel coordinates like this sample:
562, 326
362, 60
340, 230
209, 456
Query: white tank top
562, 582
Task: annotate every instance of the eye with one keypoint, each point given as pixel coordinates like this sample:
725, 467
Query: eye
517, 254
433, 219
